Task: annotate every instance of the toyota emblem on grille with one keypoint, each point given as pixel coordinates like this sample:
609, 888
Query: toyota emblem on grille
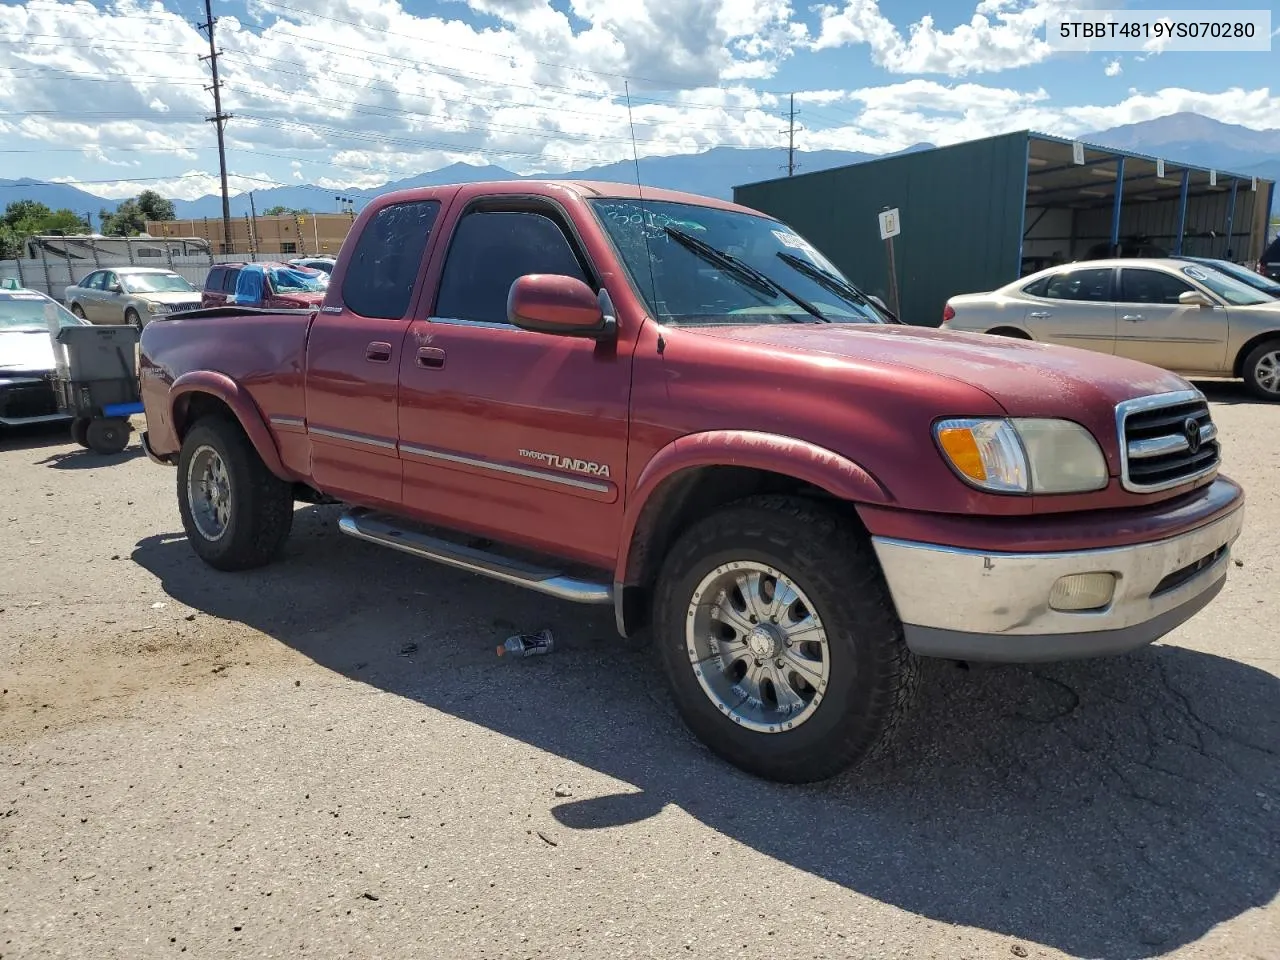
1191, 429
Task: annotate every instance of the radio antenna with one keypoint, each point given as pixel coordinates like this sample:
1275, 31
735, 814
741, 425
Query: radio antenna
644, 211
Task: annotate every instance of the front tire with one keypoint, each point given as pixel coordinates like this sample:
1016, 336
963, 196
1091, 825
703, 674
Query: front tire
1261, 371
780, 640
236, 513
107, 436
78, 311
132, 318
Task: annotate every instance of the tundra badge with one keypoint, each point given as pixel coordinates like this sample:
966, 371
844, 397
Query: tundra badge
567, 463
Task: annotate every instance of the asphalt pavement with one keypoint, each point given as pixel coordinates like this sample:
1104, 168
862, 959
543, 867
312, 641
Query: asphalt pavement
326, 758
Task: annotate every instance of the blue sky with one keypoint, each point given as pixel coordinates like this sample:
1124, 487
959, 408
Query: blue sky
357, 92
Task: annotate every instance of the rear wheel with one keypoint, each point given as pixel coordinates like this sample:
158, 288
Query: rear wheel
236, 513
1011, 332
1261, 370
780, 641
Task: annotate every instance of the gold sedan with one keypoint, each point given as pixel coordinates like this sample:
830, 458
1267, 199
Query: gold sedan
1185, 317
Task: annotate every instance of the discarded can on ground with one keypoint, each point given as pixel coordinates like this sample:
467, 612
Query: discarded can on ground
527, 644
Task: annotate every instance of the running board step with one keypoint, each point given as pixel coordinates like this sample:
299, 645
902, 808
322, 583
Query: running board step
386, 531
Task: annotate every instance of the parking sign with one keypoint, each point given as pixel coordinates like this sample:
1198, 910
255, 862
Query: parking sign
890, 226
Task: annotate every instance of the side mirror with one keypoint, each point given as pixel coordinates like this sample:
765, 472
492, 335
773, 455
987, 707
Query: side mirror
1194, 298
551, 303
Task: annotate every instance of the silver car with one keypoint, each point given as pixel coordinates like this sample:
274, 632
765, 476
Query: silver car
131, 295
1185, 317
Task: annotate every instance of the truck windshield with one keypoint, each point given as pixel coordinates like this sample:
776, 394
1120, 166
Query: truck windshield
298, 280
696, 265
155, 283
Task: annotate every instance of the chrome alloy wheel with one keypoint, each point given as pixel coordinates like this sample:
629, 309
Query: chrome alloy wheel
1267, 371
757, 646
209, 493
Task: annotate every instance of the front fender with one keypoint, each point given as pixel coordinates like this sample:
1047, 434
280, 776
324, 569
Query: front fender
808, 462
240, 402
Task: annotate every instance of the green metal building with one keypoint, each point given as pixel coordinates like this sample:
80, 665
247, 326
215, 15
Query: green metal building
977, 215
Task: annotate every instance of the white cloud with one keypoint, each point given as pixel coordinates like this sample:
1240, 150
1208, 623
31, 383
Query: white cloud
1113, 68
184, 186
1001, 35
360, 104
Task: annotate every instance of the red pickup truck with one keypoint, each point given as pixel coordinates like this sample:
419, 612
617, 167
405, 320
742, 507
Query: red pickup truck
677, 406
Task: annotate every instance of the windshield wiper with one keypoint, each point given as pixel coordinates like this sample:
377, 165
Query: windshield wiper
830, 281
744, 272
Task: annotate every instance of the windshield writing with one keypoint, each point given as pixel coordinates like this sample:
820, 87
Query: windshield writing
1228, 288
697, 265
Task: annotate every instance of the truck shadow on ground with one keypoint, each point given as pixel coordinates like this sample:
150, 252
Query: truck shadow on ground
1229, 392
1117, 808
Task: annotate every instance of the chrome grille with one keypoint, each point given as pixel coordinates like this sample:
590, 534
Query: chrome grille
1166, 440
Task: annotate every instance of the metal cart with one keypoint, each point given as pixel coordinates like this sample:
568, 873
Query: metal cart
96, 384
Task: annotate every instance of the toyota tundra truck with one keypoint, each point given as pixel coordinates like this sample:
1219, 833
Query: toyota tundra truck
678, 407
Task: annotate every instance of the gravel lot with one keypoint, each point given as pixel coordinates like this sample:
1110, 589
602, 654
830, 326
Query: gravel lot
326, 759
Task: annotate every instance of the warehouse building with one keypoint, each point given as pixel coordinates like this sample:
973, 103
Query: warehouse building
977, 215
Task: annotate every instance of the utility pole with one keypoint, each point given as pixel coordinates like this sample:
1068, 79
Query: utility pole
791, 138
253, 232
219, 120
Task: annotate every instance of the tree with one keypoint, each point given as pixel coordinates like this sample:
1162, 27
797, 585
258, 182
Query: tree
156, 207
130, 218
279, 211
27, 218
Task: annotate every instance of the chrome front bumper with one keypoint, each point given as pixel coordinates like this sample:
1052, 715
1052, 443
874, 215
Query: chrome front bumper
970, 605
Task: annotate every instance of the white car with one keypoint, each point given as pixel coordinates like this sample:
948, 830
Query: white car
1185, 317
26, 356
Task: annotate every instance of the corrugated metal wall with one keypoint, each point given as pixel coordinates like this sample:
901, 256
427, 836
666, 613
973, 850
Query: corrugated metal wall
961, 210
1158, 221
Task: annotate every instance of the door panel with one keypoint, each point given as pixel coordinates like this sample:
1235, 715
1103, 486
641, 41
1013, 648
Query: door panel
1154, 328
353, 359
1074, 309
521, 435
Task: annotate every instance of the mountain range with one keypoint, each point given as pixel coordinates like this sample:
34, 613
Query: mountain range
1188, 137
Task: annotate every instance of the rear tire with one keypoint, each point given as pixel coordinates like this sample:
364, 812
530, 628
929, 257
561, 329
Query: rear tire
80, 431
236, 513
1010, 332
107, 436
851, 643
1261, 370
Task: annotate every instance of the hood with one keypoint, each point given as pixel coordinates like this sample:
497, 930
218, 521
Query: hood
1027, 379
24, 351
189, 296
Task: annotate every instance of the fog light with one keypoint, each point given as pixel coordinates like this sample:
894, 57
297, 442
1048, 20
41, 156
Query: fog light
1083, 591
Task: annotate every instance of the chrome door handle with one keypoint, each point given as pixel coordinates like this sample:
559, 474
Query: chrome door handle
1132, 317
1039, 315
377, 352
430, 357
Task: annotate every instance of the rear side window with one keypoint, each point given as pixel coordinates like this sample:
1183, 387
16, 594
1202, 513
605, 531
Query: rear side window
1092, 285
1037, 287
231, 279
214, 280
385, 261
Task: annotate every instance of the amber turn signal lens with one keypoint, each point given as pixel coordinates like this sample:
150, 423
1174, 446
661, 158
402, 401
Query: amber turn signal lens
962, 449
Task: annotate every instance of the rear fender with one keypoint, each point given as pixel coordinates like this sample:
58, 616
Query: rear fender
241, 405
804, 461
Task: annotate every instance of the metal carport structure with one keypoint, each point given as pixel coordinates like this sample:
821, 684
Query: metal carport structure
979, 214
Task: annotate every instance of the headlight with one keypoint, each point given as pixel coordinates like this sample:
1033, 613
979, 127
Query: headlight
158, 307
1023, 455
